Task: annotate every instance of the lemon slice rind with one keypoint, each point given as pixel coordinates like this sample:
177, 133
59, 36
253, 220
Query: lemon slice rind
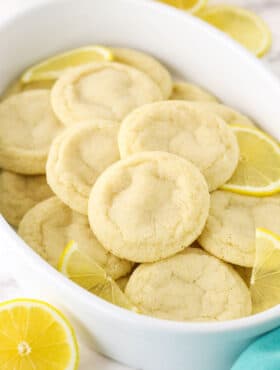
261, 191
45, 71
265, 278
85, 272
266, 41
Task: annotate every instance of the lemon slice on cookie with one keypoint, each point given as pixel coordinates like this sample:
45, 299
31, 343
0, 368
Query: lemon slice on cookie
52, 68
85, 272
34, 335
265, 279
258, 171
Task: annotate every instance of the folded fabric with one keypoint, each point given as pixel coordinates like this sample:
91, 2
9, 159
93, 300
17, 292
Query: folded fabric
263, 354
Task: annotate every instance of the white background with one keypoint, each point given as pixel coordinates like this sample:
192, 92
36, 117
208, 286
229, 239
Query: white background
270, 11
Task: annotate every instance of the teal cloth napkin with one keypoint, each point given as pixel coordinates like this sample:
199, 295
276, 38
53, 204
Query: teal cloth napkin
263, 354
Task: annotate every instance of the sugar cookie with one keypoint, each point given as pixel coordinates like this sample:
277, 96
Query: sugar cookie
147, 64
228, 114
230, 230
101, 91
77, 157
19, 193
27, 128
148, 206
50, 225
191, 286
176, 127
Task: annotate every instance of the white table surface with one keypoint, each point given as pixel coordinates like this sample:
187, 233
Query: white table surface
270, 11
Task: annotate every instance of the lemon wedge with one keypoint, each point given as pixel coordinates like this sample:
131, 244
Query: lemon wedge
265, 279
52, 68
192, 6
258, 170
34, 335
242, 25
85, 272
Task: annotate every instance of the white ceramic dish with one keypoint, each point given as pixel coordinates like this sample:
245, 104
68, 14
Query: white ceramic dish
196, 51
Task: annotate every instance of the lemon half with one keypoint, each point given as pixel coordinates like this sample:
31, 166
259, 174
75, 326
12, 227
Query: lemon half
242, 25
85, 272
258, 170
34, 335
52, 68
265, 279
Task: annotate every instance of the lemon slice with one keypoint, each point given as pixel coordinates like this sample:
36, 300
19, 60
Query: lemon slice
85, 272
258, 170
242, 25
192, 6
52, 68
34, 335
265, 280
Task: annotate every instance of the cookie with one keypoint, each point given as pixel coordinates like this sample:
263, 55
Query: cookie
27, 128
77, 157
230, 231
19, 193
152, 67
228, 114
18, 87
191, 286
101, 91
187, 91
176, 127
50, 225
149, 206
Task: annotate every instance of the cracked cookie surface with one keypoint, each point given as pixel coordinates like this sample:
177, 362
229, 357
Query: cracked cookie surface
148, 206
144, 62
27, 128
228, 114
77, 157
19, 193
101, 91
190, 286
50, 225
178, 128
230, 230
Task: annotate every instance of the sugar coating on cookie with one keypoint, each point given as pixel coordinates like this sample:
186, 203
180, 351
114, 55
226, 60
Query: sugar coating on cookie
228, 114
77, 157
190, 286
27, 128
50, 225
230, 231
146, 63
190, 92
148, 206
175, 127
101, 91
19, 193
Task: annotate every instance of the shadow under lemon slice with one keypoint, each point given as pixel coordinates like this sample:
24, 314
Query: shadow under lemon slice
265, 279
35, 335
52, 68
85, 272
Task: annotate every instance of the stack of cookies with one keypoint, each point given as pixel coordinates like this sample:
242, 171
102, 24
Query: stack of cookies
117, 157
